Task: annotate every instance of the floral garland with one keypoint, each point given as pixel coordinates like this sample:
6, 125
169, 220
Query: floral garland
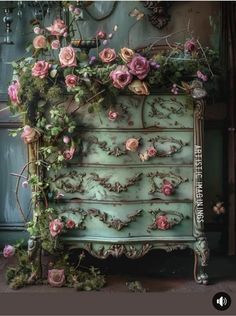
51, 86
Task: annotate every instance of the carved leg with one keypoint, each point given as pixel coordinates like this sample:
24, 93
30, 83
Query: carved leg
34, 255
201, 252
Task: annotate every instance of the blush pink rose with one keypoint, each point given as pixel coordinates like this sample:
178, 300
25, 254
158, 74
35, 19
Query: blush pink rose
55, 227
69, 153
55, 44
41, 69
70, 224
66, 139
139, 66
121, 77
8, 251
67, 57
132, 144
107, 55
29, 134
71, 81
112, 116
151, 151
13, 91
40, 41
58, 28
201, 76
101, 35
190, 46
162, 222
56, 277
167, 188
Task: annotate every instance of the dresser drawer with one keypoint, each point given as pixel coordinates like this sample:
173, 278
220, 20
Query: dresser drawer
108, 147
123, 220
116, 183
163, 111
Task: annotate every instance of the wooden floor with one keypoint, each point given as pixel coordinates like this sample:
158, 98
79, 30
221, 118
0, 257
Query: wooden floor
157, 272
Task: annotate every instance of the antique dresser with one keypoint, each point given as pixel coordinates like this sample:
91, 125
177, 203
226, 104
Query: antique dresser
127, 202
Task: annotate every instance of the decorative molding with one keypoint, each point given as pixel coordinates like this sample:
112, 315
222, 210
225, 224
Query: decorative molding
117, 250
117, 186
173, 149
63, 182
173, 178
116, 151
115, 223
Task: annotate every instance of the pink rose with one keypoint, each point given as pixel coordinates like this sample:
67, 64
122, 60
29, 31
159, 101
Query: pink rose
71, 81
162, 222
55, 227
107, 55
55, 44
8, 251
67, 57
41, 69
121, 77
201, 76
40, 41
69, 153
132, 144
66, 139
58, 28
101, 35
112, 116
167, 188
139, 66
70, 224
190, 46
56, 277
29, 134
151, 151
13, 91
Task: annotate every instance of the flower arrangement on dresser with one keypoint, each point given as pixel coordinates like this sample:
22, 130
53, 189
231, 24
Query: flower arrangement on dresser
49, 91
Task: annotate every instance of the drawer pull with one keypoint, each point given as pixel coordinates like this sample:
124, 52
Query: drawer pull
170, 179
163, 220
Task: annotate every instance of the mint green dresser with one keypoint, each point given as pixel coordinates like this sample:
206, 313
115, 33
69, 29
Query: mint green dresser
128, 202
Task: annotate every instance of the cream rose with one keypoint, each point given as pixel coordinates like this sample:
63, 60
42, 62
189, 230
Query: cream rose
126, 54
67, 57
40, 41
132, 144
139, 87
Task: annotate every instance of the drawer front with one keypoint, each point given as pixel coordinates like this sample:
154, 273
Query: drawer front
103, 147
118, 183
124, 220
162, 111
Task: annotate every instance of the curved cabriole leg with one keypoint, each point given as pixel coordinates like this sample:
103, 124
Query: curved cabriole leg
201, 252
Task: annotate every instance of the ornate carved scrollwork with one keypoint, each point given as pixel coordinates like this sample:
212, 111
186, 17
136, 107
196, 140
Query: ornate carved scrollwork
63, 181
167, 106
159, 16
173, 148
117, 250
116, 151
171, 177
117, 186
115, 223
172, 218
